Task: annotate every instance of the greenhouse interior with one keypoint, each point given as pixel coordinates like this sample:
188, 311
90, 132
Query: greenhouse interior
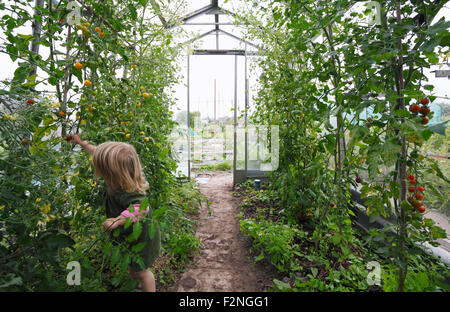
217, 146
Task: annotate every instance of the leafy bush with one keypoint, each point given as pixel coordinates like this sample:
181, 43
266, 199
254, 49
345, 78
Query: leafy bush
110, 83
221, 166
438, 145
275, 241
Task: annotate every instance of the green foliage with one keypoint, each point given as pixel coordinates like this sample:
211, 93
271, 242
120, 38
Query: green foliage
340, 89
221, 166
435, 184
183, 244
276, 241
50, 202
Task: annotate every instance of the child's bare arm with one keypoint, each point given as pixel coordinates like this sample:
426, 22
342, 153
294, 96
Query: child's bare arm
84, 144
112, 223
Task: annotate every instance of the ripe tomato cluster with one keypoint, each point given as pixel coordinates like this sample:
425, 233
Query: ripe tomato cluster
424, 110
417, 196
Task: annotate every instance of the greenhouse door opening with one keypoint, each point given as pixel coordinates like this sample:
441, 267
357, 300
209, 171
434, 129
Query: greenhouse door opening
217, 134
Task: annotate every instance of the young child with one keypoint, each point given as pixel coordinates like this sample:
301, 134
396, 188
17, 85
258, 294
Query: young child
118, 164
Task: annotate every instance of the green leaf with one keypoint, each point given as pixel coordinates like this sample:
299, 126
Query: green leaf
26, 37
115, 255
426, 134
336, 239
445, 41
125, 261
77, 73
434, 190
151, 229
138, 247
401, 113
128, 223
281, 286
143, 205
432, 57
137, 230
260, 257
107, 248
12, 50
53, 81
55, 241
314, 272
14, 281
132, 10
160, 211
438, 171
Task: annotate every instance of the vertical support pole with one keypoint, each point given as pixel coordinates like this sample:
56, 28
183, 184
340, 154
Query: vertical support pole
217, 30
215, 101
36, 33
235, 121
188, 117
245, 113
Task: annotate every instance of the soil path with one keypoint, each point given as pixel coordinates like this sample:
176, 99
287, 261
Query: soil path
223, 263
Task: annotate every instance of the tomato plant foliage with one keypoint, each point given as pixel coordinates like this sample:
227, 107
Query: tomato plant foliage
88, 78
340, 89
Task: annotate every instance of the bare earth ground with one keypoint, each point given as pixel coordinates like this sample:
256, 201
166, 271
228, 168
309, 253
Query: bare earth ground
223, 263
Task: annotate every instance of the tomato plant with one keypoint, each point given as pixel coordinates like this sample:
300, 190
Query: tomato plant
88, 83
361, 129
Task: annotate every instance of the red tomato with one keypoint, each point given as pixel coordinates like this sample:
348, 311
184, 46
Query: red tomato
414, 108
424, 101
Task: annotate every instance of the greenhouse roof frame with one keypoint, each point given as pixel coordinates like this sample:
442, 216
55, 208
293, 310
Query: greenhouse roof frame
212, 9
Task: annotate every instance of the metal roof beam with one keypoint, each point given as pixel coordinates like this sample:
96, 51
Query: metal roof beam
223, 52
192, 15
240, 39
200, 36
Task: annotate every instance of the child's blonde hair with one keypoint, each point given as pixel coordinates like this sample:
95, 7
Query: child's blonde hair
118, 163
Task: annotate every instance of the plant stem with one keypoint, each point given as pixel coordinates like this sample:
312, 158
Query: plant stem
402, 164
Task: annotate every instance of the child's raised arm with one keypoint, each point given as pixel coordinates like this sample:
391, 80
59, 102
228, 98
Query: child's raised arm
84, 144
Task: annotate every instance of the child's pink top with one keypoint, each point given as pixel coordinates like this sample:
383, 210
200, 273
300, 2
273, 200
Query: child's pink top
136, 214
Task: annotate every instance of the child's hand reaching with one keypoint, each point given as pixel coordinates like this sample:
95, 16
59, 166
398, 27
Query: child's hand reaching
77, 138
110, 224
84, 144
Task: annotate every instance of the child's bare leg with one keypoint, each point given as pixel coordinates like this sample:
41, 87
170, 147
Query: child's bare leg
147, 280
